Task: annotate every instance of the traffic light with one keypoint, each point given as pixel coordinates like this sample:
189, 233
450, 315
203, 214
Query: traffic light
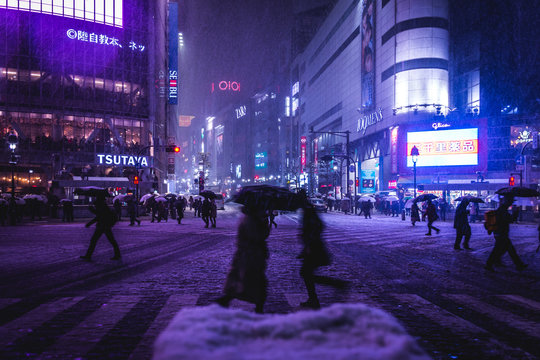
136, 180
357, 182
512, 180
172, 148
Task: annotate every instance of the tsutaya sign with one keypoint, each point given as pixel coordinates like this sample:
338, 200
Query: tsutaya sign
367, 120
124, 160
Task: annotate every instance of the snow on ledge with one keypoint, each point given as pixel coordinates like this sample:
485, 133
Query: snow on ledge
338, 332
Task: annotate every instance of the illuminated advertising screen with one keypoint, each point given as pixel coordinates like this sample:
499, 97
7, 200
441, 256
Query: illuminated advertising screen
108, 12
444, 147
261, 160
368, 55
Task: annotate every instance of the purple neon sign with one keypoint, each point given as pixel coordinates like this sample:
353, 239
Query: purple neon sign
101, 39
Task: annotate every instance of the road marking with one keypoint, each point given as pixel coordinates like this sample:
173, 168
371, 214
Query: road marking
81, 339
439, 315
7, 301
529, 327
169, 310
33, 319
516, 299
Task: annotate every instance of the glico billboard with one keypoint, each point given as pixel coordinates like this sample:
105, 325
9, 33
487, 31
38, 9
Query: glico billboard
455, 148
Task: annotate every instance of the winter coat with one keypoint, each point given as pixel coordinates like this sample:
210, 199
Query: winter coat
247, 277
461, 221
314, 251
431, 212
179, 205
205, 208
415, 212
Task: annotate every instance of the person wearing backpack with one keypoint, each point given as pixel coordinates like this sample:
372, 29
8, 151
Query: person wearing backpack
503, 243
104, 220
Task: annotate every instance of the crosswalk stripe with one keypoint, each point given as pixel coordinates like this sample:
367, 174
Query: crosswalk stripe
517, 322
439, 315
171, 307
81, 339
33, 319
528, 303
7, 301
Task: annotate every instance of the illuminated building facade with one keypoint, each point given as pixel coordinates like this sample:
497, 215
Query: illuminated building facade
82, 78
392, 74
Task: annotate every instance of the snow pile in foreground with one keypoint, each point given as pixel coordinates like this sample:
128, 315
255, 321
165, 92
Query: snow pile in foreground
339, 332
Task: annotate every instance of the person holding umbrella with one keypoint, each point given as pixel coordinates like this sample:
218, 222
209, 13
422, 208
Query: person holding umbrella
247, 276
105, 219
461, 224
503, 244
205, 211
431, 214
415, 213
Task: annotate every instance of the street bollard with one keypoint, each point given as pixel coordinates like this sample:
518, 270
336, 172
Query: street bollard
403, 214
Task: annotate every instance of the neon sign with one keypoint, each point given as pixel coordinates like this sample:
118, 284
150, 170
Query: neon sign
368, 120
227, 86
303, 142
124, 160
101, 39
241, 112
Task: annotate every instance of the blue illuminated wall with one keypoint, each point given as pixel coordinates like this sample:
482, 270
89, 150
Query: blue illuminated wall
108, 12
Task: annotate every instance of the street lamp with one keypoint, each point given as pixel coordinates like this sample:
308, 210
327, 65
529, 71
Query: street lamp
414, 155
13, 140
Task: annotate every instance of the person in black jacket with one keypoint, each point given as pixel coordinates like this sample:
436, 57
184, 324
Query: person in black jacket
431, 214
104, 220
503, 243
461, 224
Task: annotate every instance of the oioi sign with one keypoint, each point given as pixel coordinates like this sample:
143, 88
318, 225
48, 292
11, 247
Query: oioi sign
122, 160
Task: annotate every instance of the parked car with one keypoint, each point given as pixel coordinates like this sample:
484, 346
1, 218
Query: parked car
318, 204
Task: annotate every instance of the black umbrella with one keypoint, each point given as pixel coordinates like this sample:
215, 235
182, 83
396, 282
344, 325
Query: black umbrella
425, 197
208, 194
268, 197
469, 198
91, 191
518, 191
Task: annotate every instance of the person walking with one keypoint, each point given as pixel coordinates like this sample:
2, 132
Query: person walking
271, 218
366, 209
180, 205
117, 205
67, 210
461, 224
503, 244
313, 255
415, 213
205, 211
246, 279
104, 219
213, 213
190, 203
132, 212
431, 214
443, 206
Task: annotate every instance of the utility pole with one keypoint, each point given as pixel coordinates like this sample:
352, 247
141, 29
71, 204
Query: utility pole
347, 149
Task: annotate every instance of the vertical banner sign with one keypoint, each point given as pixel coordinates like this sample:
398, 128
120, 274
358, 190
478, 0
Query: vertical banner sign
368, 55
173, 53
393, 150
303, 143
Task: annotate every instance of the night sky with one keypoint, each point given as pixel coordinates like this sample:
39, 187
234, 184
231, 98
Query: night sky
236, 40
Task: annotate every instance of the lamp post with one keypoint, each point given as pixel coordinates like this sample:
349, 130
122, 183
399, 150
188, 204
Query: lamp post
414, 155
13, 140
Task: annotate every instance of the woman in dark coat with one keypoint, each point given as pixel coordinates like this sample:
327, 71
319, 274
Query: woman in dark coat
415, 213
313, 255
247, 276
461, 224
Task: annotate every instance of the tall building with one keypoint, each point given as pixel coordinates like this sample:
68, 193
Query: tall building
389, 75
84, 85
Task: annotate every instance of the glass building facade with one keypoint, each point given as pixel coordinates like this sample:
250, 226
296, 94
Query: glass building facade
74, 80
